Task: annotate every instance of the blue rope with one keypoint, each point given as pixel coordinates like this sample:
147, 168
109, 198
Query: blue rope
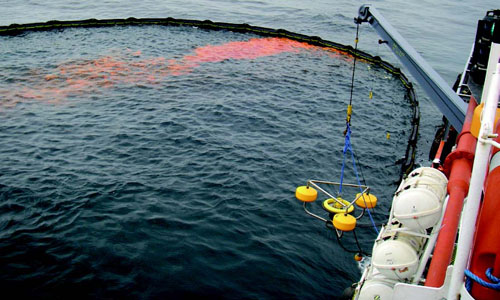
473, 277
348, 146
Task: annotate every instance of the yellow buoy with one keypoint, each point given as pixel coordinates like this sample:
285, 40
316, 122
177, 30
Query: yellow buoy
334, 207
344, 222
366, 200
476, 119
358, 257
306, 194
370, 95
388, 135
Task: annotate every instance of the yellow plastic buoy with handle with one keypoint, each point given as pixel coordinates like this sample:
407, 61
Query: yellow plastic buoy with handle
366, 200
344, 222
333, 206
306, 194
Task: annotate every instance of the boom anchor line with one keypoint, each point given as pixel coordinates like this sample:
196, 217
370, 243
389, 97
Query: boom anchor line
340, 210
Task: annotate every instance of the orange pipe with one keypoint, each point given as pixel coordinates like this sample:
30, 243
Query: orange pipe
437, 158
486, 252
440, 150
458, 165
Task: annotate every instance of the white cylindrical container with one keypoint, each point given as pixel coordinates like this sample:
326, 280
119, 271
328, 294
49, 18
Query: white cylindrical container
419, 200
396, 255
376, 286
376, 289
431, 177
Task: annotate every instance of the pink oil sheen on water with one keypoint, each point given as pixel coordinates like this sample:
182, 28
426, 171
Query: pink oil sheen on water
77, 77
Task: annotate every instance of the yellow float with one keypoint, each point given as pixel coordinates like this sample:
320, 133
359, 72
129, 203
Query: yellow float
366, 200
306, 194
344, 222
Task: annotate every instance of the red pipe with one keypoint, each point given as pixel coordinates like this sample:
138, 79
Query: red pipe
486, 252
436, 163
458, 165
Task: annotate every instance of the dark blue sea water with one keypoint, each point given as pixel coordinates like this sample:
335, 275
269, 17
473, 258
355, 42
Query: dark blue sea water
182, 185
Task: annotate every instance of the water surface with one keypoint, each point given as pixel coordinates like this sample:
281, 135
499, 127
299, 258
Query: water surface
137, 162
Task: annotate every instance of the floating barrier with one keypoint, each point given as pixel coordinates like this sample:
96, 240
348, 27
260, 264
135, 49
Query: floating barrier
407, 163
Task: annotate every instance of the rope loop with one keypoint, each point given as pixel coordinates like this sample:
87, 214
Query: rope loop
494, 284
491, 277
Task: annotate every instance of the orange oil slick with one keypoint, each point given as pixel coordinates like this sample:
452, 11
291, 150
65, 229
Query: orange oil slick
91, 76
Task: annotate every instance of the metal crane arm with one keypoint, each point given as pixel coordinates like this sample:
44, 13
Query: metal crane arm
448, 102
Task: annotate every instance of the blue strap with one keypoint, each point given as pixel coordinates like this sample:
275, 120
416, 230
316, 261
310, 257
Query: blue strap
494, 284
348, 146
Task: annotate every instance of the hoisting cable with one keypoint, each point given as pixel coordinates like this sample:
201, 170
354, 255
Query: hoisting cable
339, 240
349, 107
360, 169
347, 132
370, 93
